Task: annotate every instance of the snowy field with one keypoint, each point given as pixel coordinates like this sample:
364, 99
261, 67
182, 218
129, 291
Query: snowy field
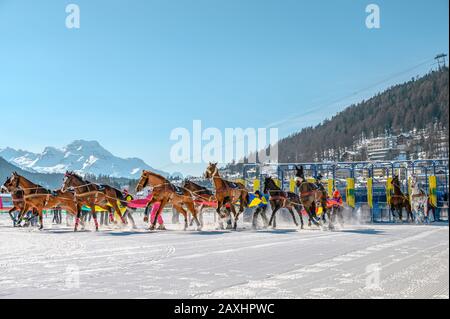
363, 261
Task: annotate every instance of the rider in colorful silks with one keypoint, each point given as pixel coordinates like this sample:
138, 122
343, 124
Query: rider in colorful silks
318, 183
337, 198
260, 201
129, 212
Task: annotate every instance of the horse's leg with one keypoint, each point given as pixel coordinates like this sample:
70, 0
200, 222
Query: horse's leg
41, 218
131, 218
10, 213
291, 211
118, 211
312, 215
22, 212
191, 222
236, 216
274, 211
183, 212
255, 218
229, 217
331, 218
77, 218
200, 215
264, 216
94, 216
191, 208
299, 212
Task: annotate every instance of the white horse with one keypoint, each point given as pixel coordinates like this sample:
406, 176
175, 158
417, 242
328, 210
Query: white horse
419, 200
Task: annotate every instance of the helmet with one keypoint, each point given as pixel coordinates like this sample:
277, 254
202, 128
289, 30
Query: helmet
336, 193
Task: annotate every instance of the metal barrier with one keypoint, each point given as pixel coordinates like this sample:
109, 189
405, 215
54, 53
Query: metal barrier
364, 184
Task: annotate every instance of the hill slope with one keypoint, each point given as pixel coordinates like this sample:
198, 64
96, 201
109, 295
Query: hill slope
416, 104
52, 181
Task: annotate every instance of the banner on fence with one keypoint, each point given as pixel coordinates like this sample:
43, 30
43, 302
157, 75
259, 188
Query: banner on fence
256, 185
432, 181
350, 192
278, 182
370, 192
330, 187
292, 185
389, 189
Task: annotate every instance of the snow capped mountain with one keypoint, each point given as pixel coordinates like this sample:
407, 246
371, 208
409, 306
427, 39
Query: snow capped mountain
19, 157
79, 156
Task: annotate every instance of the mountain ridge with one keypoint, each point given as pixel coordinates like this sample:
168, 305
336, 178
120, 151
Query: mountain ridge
81, 156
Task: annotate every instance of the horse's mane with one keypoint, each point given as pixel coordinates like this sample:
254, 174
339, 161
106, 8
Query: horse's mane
199, 187
157, 175
85, 181
81, 179
300, 171
34, 184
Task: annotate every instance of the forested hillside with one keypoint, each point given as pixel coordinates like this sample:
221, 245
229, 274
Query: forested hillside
420, 104
402, 108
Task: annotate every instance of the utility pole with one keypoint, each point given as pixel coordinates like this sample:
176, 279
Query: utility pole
441, 60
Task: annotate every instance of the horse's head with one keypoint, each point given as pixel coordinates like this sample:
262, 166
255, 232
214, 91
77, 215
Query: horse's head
269, 184
395, 181
143, 181
5, 188
13, 182
211, 171
299, 174
70, 180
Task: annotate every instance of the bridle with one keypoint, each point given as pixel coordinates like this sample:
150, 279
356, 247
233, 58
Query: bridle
144, 181
212, 174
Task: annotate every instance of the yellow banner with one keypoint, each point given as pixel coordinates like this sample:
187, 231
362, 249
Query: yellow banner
292, 185
350, 192
370, 192
278, 182
256, 185
432, 180
389, 189
330, 185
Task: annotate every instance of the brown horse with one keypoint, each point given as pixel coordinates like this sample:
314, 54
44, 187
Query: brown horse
281, 199
92, 195
200, 194
227, 192
399, 201
17, 199
39, 198
164, 192
311, 197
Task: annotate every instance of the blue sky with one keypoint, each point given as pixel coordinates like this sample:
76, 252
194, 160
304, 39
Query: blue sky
135, 70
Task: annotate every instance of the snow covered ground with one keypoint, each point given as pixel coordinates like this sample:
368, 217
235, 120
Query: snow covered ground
365, 261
